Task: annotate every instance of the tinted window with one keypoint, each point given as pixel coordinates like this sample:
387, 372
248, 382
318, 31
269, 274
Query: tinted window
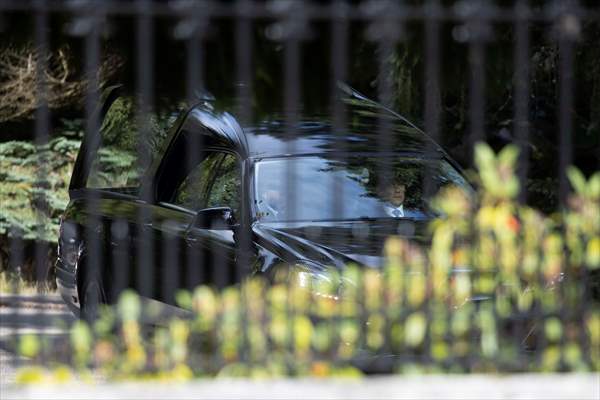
191, 193
225, 189
121, 158
364, 196
214, 182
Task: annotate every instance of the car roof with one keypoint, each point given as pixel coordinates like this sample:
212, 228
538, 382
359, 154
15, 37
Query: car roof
315, 134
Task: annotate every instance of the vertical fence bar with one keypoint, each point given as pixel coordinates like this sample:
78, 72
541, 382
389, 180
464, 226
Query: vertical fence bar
386, 28
477, 33
16, 262
522, 91
386, 177
91, 266
292, 99
567, 30
385, 50
432, 83
191, 30
120, 235
42, 135
476, 30
432, 112
194, 58
145, 265
169, 270
339, 57
293, 26
243, 50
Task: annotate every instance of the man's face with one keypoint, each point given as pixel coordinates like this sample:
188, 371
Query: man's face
395, 194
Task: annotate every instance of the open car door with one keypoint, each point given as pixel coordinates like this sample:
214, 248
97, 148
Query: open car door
92, 140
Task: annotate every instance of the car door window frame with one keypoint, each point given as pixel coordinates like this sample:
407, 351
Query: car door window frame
203, 188
239, 168
211, 149
91, 143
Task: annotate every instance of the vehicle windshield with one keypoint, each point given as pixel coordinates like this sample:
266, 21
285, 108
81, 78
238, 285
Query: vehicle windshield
316, 180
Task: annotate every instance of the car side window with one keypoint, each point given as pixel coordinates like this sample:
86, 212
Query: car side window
224, 189
191, 193
122, 159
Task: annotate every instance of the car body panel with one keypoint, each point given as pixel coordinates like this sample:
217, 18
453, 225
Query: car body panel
337, 243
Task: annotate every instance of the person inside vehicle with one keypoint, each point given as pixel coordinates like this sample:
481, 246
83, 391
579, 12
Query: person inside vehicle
396, 201
394, 195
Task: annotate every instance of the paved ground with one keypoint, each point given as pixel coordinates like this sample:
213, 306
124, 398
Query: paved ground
43, 315
525, 386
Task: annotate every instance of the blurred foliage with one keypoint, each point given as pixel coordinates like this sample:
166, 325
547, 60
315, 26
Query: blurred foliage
34, 179
34, 182
33, 186
123, 146
502, 288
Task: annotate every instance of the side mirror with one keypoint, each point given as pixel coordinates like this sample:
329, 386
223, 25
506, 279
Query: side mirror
215, 218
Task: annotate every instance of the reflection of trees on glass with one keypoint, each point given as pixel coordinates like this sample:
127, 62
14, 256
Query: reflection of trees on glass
226, 186
214, 182
124, 156
191, 194
112, 168
314, 179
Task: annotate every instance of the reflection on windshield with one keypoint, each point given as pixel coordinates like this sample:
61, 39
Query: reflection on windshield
362, 195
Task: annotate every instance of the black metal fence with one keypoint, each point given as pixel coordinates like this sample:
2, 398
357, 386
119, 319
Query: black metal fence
157, 245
